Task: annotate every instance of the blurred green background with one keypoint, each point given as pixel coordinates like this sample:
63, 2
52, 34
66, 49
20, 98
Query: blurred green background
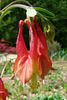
9, 24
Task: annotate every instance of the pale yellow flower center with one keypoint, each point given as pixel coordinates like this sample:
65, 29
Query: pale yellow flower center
34, 81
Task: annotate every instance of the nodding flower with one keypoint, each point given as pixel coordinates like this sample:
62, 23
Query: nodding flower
35, 63
3, 91
26, 65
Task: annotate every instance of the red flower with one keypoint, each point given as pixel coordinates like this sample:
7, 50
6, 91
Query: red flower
3, 91
25, 62
37, 62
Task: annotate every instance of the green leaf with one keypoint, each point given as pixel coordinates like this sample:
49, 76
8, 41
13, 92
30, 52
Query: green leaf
7, 13
31, 12
44, 12
3, 54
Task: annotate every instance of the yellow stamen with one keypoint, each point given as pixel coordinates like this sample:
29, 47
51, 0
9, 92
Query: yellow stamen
34, 82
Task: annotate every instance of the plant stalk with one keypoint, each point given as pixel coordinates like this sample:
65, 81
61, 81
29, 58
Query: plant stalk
15, 2
14, 6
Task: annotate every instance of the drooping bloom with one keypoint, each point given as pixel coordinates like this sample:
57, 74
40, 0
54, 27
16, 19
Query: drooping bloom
3, 91
26, 65
37, 62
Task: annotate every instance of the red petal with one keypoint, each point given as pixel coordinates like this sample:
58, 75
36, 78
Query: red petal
34, 41
43, 51
25, 69
3, 96
44, 66
41, 40
3, 91
0, 97
20, 45
15, 67
52, 68
1, 85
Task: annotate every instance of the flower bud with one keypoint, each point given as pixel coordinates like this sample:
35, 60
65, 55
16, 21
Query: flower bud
49, 33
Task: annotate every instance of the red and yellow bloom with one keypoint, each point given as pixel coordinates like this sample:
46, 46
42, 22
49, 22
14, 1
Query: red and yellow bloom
37, 62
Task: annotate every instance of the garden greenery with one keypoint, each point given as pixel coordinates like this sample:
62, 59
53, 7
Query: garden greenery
37, 62
57, 7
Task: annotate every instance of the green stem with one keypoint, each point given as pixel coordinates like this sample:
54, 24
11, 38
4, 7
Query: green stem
14, 6
15, 2
0, 4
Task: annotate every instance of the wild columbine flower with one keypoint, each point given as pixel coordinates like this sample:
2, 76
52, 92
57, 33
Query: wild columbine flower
3, 91
37, 62
26, 65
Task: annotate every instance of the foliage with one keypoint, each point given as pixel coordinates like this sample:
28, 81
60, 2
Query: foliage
56, 52
60, 11
60, 55
54, 88
53, 48
4, 47
11, 21
50, 97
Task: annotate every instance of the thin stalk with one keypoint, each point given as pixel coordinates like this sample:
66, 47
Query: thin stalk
15, 2
4, 68
0, 4
14, 6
